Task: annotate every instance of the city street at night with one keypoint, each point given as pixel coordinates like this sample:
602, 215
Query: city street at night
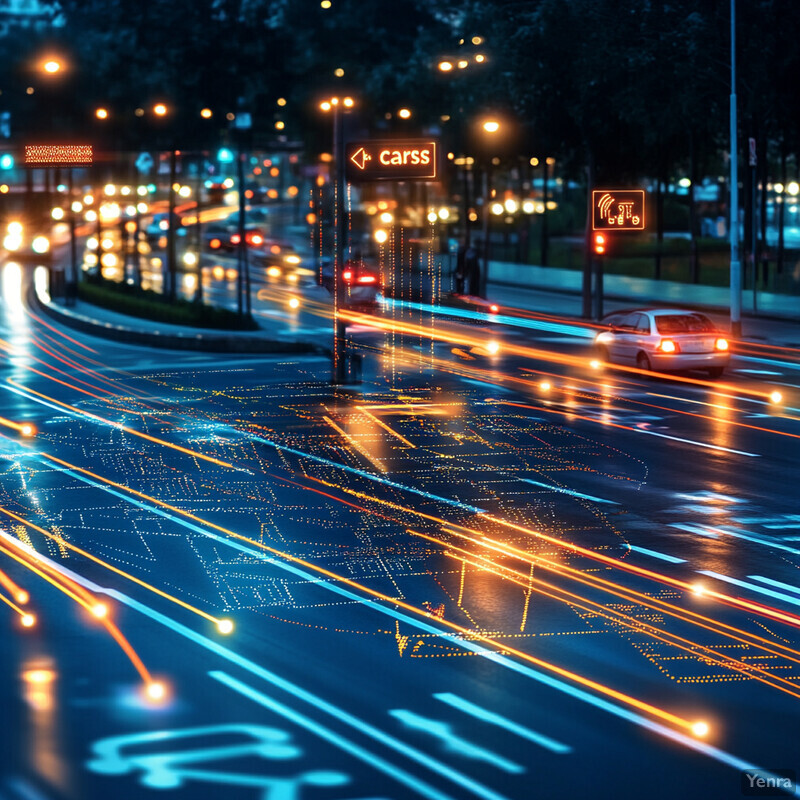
399, 401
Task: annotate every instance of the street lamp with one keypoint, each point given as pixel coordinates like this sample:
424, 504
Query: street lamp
335, 106
490, 126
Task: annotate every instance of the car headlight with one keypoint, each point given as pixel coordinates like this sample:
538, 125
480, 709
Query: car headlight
40, 244
12, 241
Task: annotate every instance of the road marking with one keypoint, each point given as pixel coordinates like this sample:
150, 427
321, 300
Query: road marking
774, 362
654, 554
697, 444
795, 601
323, 732
685, 526
492, 718
562, 490
776, 584
456, 744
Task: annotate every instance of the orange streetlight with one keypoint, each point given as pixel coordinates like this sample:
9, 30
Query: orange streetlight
159, 109
101, 113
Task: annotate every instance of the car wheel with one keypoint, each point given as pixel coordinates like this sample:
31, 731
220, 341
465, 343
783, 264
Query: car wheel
643, 362
715, 372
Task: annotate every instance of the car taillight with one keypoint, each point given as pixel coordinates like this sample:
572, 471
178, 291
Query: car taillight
668, 346
366, 279
347, 275
215, 244
721, 344
256, 239
235, 239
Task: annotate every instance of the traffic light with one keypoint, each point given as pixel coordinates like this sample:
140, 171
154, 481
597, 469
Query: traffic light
599, 244
6, 161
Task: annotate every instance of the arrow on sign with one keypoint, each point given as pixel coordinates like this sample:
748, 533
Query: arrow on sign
360, 158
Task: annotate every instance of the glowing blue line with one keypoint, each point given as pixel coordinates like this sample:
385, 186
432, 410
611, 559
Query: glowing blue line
493, 718
774, 362
502, 319
777, 584
562, 490
367, 475
752, 587
654, 554
738, 534
324, 733
685, 526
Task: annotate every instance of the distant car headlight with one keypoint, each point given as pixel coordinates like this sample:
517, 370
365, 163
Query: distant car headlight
292, 259
40, 244
12, 241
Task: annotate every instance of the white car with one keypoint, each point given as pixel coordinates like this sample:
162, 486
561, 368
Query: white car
663, 340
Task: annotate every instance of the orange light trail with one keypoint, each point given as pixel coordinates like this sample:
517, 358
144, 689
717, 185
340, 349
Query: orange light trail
449, 336
121, 427
65, 585
662, 606
557, 593
53, 537
474, 635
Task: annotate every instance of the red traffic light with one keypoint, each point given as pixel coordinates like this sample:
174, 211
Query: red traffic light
599, 243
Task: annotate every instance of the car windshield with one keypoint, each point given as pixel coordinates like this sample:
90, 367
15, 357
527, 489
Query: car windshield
683, 323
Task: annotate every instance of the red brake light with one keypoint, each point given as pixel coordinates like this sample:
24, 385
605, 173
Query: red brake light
668, 346
347, 275
721, 344
214, 244
256, 239
367, 279
235, 239
494, 308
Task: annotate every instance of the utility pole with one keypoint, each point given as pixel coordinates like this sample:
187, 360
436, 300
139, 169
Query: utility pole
736, 267
339, 372
242, 123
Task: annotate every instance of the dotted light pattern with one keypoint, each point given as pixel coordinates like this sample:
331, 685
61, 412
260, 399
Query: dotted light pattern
57, 154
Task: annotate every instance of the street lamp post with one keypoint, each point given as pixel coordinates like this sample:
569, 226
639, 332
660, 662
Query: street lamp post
490, 126
242, 124
736, 267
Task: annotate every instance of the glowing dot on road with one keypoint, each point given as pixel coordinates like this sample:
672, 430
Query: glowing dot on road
595, 364
27, 429
294, 303
699, 589
225, 626
99, 610
23, 597
700, 728
494, 308
545, 386
776, 397
156, 690
493, 348
28, 620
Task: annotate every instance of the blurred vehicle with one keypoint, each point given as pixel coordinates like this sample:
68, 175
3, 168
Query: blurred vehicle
224, 236
280, 259
27, 242
362, 283
663, 340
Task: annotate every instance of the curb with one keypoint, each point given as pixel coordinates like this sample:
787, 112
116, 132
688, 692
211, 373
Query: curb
641, 302
224, 343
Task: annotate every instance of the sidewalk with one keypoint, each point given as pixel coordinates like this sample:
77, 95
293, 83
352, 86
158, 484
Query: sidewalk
97, 321
559, 291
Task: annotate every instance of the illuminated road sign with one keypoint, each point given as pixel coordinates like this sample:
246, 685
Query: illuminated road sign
618, 210
57, 155
391, 160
